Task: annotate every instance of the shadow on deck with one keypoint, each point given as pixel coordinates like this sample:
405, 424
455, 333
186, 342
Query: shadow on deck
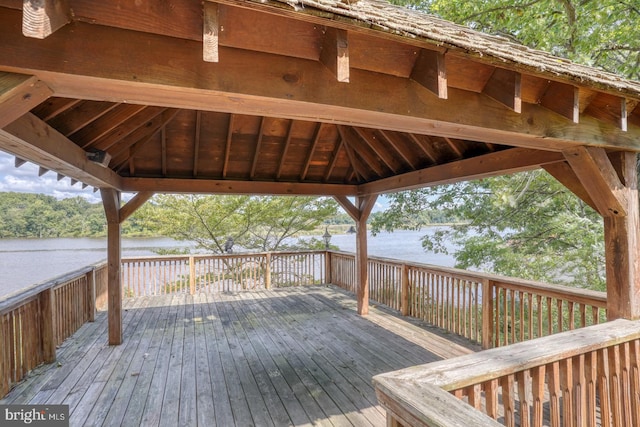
293, 356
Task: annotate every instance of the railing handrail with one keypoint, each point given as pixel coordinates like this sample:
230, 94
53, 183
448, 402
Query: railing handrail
21, 296
587, 296
205, 256
398, 389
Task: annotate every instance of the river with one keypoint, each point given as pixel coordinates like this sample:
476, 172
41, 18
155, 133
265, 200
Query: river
24, 262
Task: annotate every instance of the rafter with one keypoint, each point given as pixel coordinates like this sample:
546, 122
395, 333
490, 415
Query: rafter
19, 93
426, 148
128, 127
493, 164
358, 145
163, 154
239, 85
80, 116
285, 149
333, 160
312, 149
379, 149
227, 147
228, 186
19, 162
354, 161
256, 155
109, 122
393, 140
32, 139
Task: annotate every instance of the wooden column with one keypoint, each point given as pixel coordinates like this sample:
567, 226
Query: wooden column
622, 236
611, 182
360, 213
111, 202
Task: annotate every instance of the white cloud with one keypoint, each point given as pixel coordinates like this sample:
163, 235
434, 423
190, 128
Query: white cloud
25, 179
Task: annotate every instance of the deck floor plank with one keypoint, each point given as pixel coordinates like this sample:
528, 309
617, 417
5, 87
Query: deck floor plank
293, 356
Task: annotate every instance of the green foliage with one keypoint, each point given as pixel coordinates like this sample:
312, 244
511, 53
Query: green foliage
38, 215
602, 33
256, 223
526, 225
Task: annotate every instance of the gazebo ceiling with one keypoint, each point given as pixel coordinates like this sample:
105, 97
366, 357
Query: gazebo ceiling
319, 98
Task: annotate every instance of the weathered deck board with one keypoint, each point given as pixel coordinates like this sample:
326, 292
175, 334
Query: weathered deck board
295, 356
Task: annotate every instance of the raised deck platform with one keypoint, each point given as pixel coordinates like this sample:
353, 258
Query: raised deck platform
292, 356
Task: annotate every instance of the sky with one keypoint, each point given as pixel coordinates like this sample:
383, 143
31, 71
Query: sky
25, 179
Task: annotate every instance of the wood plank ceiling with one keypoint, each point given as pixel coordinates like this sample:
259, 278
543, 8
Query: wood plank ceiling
312, 105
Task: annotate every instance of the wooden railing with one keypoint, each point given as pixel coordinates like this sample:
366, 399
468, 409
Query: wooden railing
221, 273
584, 377
515, 311
35, 321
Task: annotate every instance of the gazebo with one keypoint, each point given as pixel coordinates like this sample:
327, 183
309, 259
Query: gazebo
345, 99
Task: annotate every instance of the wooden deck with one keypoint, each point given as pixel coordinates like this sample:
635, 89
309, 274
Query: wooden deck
294, 356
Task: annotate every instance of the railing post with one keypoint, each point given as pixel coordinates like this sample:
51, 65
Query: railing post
327, 267
192, 275
48, 323
405, 291
267, 271
91, 291
487, 313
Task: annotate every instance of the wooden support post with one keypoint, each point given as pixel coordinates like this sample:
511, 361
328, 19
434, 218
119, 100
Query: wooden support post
622, 238
192, 275
327, 267
111, 202
406, 290
48, 325
487, 314
267, 272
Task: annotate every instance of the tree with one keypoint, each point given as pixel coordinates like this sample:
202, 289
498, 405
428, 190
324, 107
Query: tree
528, 225
255, 223
601, 33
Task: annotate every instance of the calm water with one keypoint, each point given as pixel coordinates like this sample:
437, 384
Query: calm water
24, 262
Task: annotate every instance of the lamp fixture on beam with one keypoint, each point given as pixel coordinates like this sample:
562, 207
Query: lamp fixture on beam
98, 156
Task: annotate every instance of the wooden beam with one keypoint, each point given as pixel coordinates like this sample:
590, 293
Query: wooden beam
358, 169
210, 32
361, 149
19, 94
348, 207
430, 72
334, 159
380, 149
111, 203
393, 140
609, 109
567, 177
227, 186
285, 150
256, 155
163, 149
505, 87
132, 66
365, 204
312, 149
502, 162
227, 147
40, 18
427, 149
563, 99
622, 245
133, 205
335, 53
598, 176
32, 139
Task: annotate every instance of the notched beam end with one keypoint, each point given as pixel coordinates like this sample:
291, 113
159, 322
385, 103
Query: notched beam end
430, 72
41, 18
563, 99
335, 53
210, 32
505, 86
